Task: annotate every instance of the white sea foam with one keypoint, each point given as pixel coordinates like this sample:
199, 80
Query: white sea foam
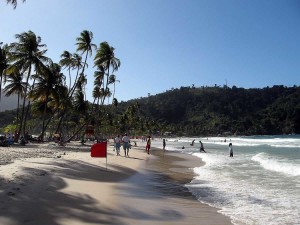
277, 165
240, 195
259, 185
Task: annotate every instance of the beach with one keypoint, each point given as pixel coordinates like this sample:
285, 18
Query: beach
55, 185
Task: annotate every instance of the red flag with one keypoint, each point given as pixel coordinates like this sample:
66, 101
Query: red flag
99, 150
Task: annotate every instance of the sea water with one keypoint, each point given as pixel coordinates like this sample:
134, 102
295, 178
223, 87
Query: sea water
260, 185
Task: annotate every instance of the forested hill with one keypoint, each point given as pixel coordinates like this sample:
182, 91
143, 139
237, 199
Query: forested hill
196, 112
224, 110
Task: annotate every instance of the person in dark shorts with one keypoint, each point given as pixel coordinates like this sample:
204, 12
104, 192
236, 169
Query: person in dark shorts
201, 147
230, 150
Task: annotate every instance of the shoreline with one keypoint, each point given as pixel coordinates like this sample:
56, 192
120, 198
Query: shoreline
72, 188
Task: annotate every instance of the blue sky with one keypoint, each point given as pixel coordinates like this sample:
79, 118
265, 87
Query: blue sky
164, 44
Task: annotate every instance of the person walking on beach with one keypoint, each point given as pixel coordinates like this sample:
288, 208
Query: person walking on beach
148, 145
118, 144
164, 144
126, 141
202, 147
230, 150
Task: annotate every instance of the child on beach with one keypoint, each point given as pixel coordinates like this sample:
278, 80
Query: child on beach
148, 145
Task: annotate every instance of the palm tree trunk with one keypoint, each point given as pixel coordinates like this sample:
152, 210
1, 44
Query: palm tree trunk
71, 93
60, 120
106, 85
86, 123
44, 116
27, 112
23, 106
70, 83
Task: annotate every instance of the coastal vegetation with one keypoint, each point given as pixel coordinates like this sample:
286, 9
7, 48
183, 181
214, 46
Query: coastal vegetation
51, 102
224, 110
195, 111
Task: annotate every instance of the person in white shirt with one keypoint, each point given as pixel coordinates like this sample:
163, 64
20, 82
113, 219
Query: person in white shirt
126, 141
118, 144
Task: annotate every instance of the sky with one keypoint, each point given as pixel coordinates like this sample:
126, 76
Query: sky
165, 44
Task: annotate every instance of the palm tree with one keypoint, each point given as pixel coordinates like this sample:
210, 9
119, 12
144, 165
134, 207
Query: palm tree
85, 45
77, 60
105, 58
25, 55
46, 81
13, 2
3, 64
15, 86
74, 61
67, 61
113, 80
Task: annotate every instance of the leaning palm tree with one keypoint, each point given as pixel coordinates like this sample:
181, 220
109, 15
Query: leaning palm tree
15, 85
13, 2
75, 61
25, 56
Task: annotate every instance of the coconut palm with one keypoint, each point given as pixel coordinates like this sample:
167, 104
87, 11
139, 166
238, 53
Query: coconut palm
113, 80
46, 81
13, 2
67, 61
15, 85
85, 45
78, 64
105, 58
98, 82
80, 105
25, 56
73, 61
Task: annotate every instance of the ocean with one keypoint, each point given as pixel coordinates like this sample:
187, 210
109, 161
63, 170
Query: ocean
260, 185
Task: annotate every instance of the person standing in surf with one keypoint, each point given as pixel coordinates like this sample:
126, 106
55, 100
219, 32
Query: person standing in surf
164, 144
230, 150
148, 145
202, 147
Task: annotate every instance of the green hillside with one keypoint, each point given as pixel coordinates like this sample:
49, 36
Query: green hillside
203, 111
224, 110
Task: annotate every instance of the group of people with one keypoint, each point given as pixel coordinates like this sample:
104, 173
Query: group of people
202, 147
126, 145
125, 140
230, 149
